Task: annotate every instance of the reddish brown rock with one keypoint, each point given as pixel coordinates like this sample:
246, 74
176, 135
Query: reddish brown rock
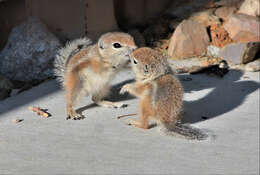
225, 12
243, 28
188, 40
250, 7
219, 36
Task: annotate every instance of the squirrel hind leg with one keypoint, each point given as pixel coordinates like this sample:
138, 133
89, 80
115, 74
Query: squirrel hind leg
73, 93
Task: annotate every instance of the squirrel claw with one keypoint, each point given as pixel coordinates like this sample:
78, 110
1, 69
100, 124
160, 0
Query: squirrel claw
119, 105
75, 117
125, 88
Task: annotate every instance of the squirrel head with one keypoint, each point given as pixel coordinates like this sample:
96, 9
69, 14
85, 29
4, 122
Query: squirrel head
148, 63
115, 48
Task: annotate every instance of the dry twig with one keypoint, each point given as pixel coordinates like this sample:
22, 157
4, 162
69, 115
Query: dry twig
121, 116
39, 111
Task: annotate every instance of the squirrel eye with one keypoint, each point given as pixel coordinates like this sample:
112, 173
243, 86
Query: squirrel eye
117, 45
135, 62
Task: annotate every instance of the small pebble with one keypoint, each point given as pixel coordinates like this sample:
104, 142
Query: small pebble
17, 120
245, 77
187, 79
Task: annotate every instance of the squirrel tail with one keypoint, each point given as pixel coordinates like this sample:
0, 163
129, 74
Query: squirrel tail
64, 55
185, 131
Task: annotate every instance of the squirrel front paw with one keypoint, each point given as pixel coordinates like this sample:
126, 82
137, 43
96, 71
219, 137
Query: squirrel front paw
125, 88
74, 115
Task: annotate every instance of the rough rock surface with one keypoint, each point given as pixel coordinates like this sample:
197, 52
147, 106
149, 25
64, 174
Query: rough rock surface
5, 87
243, 28
138, 37
229, 3
207, 18
253, 66
213, 51
188, 40
29, 52
184, 9
225, 12
219, 36
238, 53
250, 7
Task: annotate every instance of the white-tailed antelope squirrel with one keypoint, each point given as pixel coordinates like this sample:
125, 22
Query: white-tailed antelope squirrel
160, 94
86, 69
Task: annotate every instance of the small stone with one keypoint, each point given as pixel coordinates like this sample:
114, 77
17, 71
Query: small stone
243, 28
250, 7
238, 53
188, 40
17, 120
253, 66
186, 79
213, 51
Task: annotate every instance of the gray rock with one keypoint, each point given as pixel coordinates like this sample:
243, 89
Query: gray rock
29, 52
253, 66
239, 52
5, 87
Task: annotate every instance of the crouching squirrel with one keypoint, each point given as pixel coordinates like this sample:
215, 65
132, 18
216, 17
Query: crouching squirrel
160, 94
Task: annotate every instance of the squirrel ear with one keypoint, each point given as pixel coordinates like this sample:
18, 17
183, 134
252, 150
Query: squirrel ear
101, 45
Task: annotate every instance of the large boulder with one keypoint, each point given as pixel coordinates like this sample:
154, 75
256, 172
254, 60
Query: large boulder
188, 40
29, 52
243, 28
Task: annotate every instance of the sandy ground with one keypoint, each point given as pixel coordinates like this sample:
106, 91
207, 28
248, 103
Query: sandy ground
102, 144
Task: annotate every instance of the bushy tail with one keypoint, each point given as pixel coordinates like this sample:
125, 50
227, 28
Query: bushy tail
185, 131
65, 53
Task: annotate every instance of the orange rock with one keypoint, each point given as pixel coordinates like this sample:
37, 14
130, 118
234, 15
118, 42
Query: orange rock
219, 36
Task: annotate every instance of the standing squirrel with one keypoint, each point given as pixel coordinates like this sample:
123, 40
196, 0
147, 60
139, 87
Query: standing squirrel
86, 68
160, 94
